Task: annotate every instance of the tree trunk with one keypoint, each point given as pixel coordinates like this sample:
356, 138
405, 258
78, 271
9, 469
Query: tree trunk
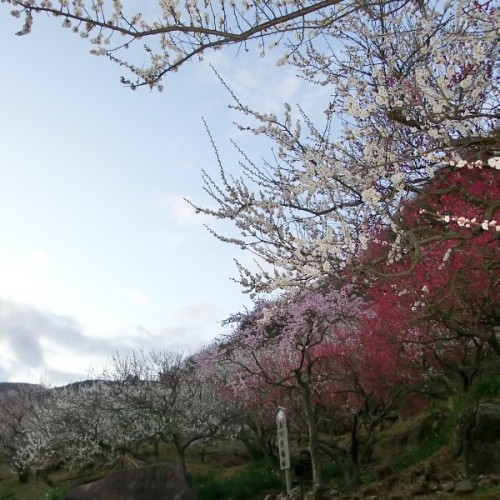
24, 474
181, 454
495, 342
254, 451
354, 478
313, 437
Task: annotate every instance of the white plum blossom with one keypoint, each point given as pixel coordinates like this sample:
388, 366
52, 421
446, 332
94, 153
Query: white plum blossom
412, 89
348, 187
494, 163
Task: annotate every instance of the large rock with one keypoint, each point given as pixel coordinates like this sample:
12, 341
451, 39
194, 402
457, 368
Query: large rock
154, 482
481, 443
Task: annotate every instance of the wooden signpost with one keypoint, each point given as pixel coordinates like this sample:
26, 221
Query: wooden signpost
283, 448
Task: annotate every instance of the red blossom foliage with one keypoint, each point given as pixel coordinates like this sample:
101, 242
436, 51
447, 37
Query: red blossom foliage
450, 274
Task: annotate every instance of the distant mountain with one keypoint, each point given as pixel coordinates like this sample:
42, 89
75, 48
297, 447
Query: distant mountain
17, 386
81, 384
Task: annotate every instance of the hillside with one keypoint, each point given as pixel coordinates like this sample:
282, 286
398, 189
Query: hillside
416, 456
16, 386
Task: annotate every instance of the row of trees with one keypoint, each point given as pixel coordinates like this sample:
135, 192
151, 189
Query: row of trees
340, 358
379, 228
139, 402
390, 325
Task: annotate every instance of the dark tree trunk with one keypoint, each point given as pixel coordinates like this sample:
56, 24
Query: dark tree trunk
24, 474
354, 478
313, 438
181, 454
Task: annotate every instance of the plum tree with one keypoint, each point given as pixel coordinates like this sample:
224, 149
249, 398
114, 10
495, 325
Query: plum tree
311, 350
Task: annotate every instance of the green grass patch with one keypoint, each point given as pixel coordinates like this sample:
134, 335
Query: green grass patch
439, 427
331, 471
486, 387
8, 496
12, 489
58, 492
244, 484
487, 491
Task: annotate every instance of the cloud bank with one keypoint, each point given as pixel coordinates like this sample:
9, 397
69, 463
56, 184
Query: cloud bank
42, 346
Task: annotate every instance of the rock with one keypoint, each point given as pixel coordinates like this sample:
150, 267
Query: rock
481, 480
463, 487
495, 479
448, 486
154, 482
482, 440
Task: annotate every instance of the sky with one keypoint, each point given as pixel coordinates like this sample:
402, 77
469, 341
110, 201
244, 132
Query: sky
99, 252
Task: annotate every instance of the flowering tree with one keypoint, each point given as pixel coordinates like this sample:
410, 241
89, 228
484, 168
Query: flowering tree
82, 425
443, 353
411, 90
140, 401
73, 428
16, 414
277, 345
454, 280
174, 395
251, 403
178, 32
149, 384
412, 87
367, 371
323, 355
382, 189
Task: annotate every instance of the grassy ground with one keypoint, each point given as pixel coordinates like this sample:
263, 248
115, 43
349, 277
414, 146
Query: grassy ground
11, 489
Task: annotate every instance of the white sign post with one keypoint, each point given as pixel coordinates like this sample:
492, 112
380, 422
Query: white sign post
284, 451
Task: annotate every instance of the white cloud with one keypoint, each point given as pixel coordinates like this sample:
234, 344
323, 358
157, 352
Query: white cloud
259, 83
135, 296
200, 313
181, 211
40, 344
192, 327
36, 341
39, 261
20, 281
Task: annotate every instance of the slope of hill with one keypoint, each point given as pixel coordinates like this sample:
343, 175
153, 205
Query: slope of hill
417, 456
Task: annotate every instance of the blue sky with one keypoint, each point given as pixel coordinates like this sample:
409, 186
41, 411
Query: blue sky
99, 253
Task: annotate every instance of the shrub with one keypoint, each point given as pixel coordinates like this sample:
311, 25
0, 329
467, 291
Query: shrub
58, 492
244, 484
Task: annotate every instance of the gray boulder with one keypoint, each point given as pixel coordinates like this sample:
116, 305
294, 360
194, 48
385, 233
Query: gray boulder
481, 440
463, 487
154, 482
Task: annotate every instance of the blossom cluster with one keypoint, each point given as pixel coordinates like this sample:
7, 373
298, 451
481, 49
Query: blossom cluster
312, 214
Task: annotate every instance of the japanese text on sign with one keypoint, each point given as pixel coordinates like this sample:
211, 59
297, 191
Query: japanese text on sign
284, 452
